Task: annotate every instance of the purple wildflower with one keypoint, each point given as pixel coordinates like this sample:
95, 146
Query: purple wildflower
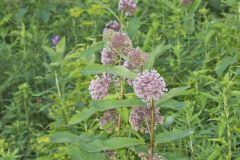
107, 56
114, 25
140, 118
121, 43
137, 58
55, 40
99, 87
110, 116
129, 7
149, 85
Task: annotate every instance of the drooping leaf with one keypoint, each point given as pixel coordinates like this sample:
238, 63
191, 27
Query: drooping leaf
84, 115
64, 137
172, 136
114, 143
116, 70
76, 153
103, 106
93, 143
173, 104
183, 90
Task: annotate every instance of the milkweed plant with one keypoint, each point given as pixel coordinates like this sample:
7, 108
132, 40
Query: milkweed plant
148, 85
125, 95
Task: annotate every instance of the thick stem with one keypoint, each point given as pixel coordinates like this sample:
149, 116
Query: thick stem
120, 98
152, 124
57, 84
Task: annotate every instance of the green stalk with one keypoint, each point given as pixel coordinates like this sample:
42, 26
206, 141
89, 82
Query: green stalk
120, 98
152, 124
226, 112
57, 84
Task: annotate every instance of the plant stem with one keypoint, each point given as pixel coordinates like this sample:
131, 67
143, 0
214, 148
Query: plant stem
57, 84
151, 146
226, 112
120, 98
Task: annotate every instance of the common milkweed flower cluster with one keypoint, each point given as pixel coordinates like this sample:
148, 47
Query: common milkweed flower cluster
140, 118
129, 7
148, 85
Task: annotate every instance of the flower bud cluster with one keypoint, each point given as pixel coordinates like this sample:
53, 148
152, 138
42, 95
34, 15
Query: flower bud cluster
128, 7
149, 85
140, 118
110, 116
99, 87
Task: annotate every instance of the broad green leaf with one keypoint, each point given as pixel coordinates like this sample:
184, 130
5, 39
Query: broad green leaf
95, 144
155, 53
61, 46
132, 27
174, 93
223, 64
116, 70
114, 143
173, 104
76, 153
172, 136
89, 54
103, 106
64, 137
83, 115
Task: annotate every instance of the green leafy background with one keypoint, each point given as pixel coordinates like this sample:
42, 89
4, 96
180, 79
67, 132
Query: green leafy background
195, 48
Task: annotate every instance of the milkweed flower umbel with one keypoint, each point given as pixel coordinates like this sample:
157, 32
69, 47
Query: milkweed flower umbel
137, 58
107, 56
129, 7
149, 85
139, 118
99, 87
121, 43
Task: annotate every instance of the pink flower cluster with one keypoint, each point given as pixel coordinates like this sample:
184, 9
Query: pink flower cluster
137, 58
108, 117
99, 87
107, 56
140, 118
149, 85
128, 7
121, 43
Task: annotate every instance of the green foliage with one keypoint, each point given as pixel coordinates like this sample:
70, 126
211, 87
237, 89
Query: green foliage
45, 108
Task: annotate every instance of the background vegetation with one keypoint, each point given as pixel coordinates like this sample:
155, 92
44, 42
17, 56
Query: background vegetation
197, 46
